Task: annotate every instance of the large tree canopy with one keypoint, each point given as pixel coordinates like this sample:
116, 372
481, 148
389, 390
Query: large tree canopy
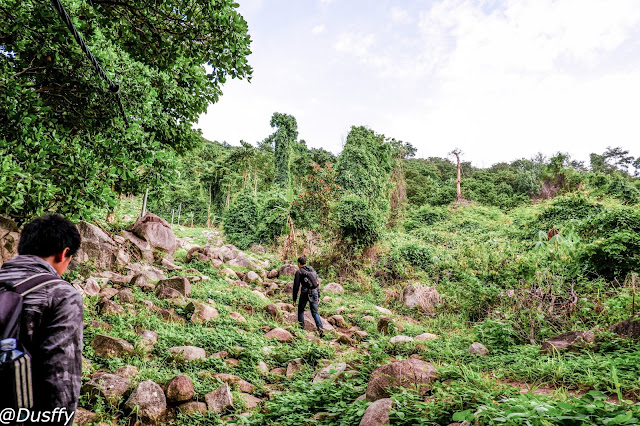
63, 144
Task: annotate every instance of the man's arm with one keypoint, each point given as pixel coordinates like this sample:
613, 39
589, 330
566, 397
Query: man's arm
296, 286
61, 350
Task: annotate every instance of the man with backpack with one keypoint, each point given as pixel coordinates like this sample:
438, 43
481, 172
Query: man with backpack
306, 280
43, 314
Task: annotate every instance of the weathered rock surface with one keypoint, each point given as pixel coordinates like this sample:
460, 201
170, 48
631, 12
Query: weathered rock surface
9, 238
627, 328
148, 401
108, 386
478, 349
193, 407
377, 414
98, 247
281, 334
287, 269
235, 381
337, 321
294, 367
425, 336
400, 339
410, 373
250, 401
107, 346
180, 389
568, 341
157, 232
424, 297
219, 399
309, 323
333, 288
187, 353
180, 284
332, 371
201, 312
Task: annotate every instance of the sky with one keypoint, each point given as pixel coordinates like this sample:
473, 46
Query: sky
498, 79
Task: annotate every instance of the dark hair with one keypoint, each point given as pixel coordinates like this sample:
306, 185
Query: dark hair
49, 235
302, 260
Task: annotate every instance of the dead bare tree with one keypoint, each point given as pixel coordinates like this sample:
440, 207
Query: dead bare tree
457, 152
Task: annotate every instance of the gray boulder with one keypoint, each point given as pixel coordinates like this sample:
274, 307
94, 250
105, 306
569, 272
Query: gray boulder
148, 401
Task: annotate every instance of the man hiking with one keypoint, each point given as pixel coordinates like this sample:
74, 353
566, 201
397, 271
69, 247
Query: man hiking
51, 321
306, 280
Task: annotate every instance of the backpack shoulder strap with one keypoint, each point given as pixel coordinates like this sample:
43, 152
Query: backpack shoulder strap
35, 282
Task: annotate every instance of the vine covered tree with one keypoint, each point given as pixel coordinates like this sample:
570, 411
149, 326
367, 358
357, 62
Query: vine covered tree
63, 141
284, 137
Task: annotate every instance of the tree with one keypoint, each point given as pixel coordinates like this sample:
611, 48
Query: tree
457, 152
62, 138
284, 137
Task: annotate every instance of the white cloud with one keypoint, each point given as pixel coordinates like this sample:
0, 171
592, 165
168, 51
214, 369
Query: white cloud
318, 29
399, 16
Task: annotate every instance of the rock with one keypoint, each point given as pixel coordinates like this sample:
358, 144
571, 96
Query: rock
180, 389
108, 293
238, 317
273, 312
294, 367
91, 287
241, 261
333, 288
425, 336
125, 296
231, 380
286, 307
148, 304
180, 284
628, 328
416, 295
400, 339
345, 339
409, 373
360, 334
263, 367
157, 232
288, 289
377, 414
169, 265
115, 278
309, 323
168, 293
201, 312
107, 346
141, 248
84, 417
478, 349
252, 277
150, 272
128, 371
281, 334
228, 272
219, 399
216, 263
149, 339
337, 321
274, 273
287, 269
98, 247
384, 311
326, 300
257, 249
330, 372
250, 401
109, 307
568, 341
386, 325
108, 386
280, 371
9, 238
193, 407
147, 401
260, 295
187, 353
170, 316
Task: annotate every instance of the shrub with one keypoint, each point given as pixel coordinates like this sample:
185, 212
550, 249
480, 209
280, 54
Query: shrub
359, 224
273, 216
425, 216
567, 208
240, 221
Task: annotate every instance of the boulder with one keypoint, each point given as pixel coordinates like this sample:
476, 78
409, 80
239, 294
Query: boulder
568, 341
193, 407
280, 371
287, 307
294, 367
9, 238
84, 417
181, 284
288, 289
219, 399
628, 328
377, 414
424, 297
150, 272
107, 346
260, 294
148, 339
309, 322
147, 401
128, 371
263, 367
125, 296
425, 336
169, 265
201, 312
332, 371
273, 312
333, 288
257, 249
249, 400
168, 293
228, 272
109, 307
98, 247
287, 269
409, 373
108, 386
235, 381
238, 317
344, 339
281, 334
157, 232
386, 325
180, 389
337, 321
252, 277
187, 353
384, 311
400, 339
91, 287
274, 273
478, 349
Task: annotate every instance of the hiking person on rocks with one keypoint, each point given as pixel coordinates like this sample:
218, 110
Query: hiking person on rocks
50, 326
306, 280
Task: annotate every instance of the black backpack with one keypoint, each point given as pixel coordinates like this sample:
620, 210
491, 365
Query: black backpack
309, 279
15, 374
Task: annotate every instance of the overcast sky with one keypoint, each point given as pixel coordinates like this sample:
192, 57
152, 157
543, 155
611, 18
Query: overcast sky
499, 79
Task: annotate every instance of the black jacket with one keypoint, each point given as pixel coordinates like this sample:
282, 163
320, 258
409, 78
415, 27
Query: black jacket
297, 281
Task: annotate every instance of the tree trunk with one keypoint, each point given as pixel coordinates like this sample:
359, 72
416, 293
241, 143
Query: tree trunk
457, 153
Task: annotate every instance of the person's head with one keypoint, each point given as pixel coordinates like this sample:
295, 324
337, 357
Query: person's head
52, 237
302, 261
